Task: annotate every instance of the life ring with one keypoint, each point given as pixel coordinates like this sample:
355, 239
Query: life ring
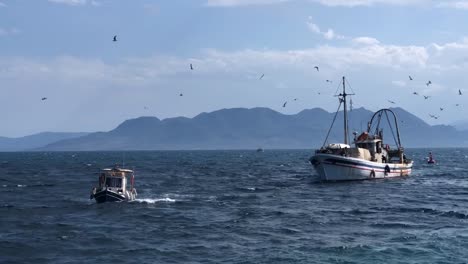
372, 174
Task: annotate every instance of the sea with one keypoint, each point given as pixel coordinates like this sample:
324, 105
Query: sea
237, 206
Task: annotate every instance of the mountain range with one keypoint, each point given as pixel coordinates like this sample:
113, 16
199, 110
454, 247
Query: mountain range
238, 128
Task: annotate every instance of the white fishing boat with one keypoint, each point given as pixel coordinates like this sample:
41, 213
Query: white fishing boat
113, 186
370, 158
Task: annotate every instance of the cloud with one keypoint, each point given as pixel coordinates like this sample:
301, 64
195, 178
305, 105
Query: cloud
8, 32
365, 41
76, 2
329, 34
233, 3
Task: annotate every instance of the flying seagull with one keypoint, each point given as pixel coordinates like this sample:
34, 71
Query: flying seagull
329, 81
433, 116
44, 98
181, 94
426, 97
191, 66
429, 82
410, 78
415, 93
146, 108
284, 105
317, 68
459, 92
295, 99
441, 109
457, 104
261, 77
391, 102
115, 38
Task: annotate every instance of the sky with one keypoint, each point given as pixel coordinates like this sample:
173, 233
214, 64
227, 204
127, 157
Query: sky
63, 50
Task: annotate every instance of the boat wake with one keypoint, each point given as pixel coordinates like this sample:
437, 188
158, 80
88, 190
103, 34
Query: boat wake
153, 201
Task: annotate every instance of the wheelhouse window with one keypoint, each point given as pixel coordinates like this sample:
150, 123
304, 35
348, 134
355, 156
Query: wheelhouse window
114, 182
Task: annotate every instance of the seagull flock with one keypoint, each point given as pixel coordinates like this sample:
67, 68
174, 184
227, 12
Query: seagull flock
428, 83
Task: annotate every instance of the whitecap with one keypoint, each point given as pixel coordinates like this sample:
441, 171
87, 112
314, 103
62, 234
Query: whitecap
20, 186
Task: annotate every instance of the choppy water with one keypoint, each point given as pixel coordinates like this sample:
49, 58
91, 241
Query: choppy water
230, 207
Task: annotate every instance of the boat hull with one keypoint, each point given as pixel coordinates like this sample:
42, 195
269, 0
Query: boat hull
340, 168
109, 196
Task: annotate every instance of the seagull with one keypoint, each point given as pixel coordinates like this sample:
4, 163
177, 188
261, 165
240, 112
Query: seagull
426, 97
415, 93
317, 68
146, 108
433, 116
284, 105
457, 105
115, 38
441, 109
410, 78
295, 99
391, 102
429, 82
181, 94
261, 77
191, 66
459, 92
44, 98
329, 81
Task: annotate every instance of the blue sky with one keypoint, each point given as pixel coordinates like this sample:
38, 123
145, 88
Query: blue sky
63, 50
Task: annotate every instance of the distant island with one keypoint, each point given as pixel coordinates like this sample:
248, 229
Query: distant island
236, 128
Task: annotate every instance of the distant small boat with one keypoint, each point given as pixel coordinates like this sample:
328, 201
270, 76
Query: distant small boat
370, 158
113, 186
260, 150
430, 159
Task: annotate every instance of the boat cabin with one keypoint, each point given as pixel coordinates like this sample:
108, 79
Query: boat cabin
115, 178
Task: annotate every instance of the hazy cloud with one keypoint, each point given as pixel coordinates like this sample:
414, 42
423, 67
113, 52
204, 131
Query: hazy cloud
454, 4
353, 3
232, 3
328, 34
76, 2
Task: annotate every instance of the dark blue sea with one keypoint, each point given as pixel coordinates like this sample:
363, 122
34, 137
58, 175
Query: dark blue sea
230, 207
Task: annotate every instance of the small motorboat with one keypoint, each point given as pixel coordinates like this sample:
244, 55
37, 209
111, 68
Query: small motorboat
113, 186
430, 159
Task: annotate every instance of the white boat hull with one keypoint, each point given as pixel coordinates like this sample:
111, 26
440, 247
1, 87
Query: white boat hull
339, 168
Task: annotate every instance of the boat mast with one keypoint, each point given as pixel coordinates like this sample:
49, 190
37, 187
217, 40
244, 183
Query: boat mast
345, 113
